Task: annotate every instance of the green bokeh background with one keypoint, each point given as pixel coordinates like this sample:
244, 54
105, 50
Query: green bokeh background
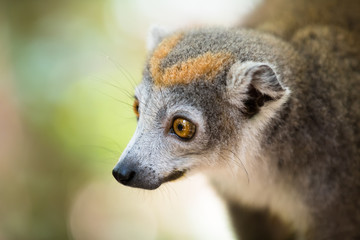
63, 76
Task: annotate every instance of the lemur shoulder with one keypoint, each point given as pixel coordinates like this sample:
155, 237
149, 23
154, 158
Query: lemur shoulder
269, 110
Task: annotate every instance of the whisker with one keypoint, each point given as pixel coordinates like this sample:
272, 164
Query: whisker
123, 71
242, 164
126, 103
125, 92
231, 169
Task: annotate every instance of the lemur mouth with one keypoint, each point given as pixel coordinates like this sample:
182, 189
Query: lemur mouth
174, 175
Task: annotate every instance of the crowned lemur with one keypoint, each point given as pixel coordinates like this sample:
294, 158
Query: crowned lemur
269, 110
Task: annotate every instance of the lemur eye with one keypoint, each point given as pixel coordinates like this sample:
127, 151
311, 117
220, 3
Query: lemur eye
183, 128
136, 107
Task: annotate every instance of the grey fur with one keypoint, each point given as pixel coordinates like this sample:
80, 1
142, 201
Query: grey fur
278, 130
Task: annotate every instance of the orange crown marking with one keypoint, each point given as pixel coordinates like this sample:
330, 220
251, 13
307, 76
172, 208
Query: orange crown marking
160, 53
207, 66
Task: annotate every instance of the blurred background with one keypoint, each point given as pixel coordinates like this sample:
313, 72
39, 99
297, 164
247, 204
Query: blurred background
67, 74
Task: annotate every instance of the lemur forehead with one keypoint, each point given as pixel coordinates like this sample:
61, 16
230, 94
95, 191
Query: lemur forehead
205, 66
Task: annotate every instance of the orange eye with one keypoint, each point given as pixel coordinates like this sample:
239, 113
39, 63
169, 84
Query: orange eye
136, 108
184, 128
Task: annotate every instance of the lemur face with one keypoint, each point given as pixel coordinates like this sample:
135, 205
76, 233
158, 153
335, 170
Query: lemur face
172, 137
194, 105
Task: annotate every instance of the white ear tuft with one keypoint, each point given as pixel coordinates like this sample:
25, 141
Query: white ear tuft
155, 36
259, 75
250, 85
236, 76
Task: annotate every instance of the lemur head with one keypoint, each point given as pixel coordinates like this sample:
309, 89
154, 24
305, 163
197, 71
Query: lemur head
206, 94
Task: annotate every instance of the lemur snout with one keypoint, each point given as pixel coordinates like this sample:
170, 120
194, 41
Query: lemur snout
124, 174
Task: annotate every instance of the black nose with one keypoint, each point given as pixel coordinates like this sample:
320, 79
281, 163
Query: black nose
124, 174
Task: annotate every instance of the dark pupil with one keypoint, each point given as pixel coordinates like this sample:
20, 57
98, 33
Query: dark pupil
180, 127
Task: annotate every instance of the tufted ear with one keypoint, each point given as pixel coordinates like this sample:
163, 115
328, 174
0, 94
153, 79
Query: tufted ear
155, 36
253, 85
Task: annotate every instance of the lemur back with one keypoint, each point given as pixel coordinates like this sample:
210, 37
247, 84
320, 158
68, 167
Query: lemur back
283, 17
271, 114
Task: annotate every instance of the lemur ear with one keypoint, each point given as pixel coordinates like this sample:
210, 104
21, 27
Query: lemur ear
250, 85
155, 36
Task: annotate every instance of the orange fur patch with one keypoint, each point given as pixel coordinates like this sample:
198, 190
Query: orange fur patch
160, 53
207, 65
